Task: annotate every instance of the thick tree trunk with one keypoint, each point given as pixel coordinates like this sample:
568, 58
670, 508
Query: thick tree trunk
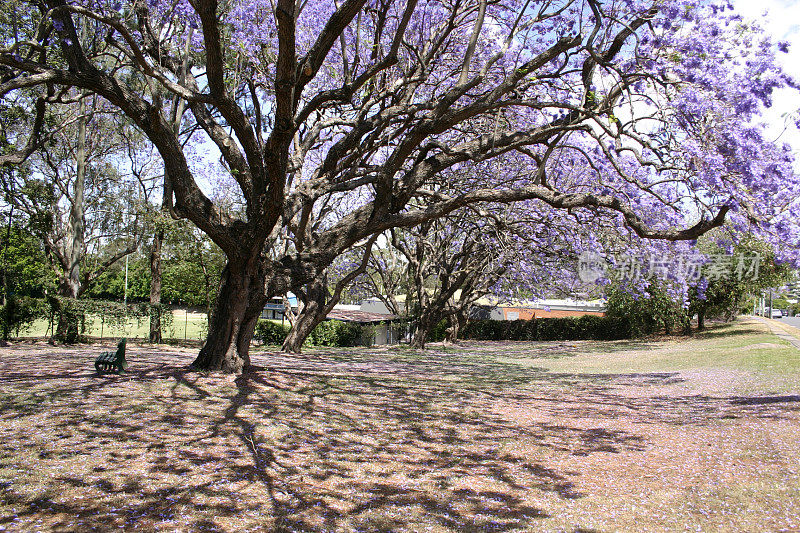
155, 287
312, 313
239, 303
701, 319
425, 325
302, 328
457, 321
419, 338
70, 286
67, 329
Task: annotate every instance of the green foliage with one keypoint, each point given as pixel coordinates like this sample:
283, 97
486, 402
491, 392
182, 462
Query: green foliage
328, 333
110, 285
191, 268
350, 334
586, 327
780, 303
335, 333
438, 332
272, 333
19, 312
24, 263
724, 296
645, 314
365, 334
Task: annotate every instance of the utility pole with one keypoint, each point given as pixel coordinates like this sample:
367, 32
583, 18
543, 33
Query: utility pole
770, 304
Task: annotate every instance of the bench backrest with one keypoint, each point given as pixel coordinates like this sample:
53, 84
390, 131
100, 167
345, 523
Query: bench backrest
120, 355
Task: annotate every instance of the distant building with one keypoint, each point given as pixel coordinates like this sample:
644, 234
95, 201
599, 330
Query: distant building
380, 330
489, 308
274, 309
381, 325
532, 309
376, 305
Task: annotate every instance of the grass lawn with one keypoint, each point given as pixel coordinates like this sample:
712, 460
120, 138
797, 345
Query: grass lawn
185, 325
669, 434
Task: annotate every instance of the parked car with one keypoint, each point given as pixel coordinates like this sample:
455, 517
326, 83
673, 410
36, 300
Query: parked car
777, 313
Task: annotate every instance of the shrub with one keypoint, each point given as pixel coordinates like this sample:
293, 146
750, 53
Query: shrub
328, 333
269, 332
515, 329
558, 329
549, 329
615, 328
483, 330
350, 334
19, 313
438, 332
338, 333
646, 313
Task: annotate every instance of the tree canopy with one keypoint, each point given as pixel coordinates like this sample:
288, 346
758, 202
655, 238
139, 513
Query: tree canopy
645, 111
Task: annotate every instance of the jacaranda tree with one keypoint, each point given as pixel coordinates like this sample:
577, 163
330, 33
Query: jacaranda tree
644, 108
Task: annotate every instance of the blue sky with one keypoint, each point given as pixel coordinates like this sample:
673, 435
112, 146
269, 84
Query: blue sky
781, 18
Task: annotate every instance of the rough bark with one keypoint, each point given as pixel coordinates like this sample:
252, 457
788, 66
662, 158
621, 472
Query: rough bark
155, 287
233, 320
302, 328
425, 325
456, 323
70, 284
313, 312
318, 302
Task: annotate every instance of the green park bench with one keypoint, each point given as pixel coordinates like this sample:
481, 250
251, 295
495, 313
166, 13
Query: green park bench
112, 361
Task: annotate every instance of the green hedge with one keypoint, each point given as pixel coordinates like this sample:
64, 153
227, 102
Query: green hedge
548, 329
269, 332
335, 333
328, 333
19, 312
439, 332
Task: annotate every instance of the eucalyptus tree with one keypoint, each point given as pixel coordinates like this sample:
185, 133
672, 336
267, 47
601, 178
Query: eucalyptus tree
308, 99
76, 196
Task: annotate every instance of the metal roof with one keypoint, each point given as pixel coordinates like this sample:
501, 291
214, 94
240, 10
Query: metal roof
361, 317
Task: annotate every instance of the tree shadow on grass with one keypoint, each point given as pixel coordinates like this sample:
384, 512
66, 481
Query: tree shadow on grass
317, 442
745, 329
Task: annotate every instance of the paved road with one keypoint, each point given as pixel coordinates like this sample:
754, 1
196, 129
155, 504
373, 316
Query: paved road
793, 321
